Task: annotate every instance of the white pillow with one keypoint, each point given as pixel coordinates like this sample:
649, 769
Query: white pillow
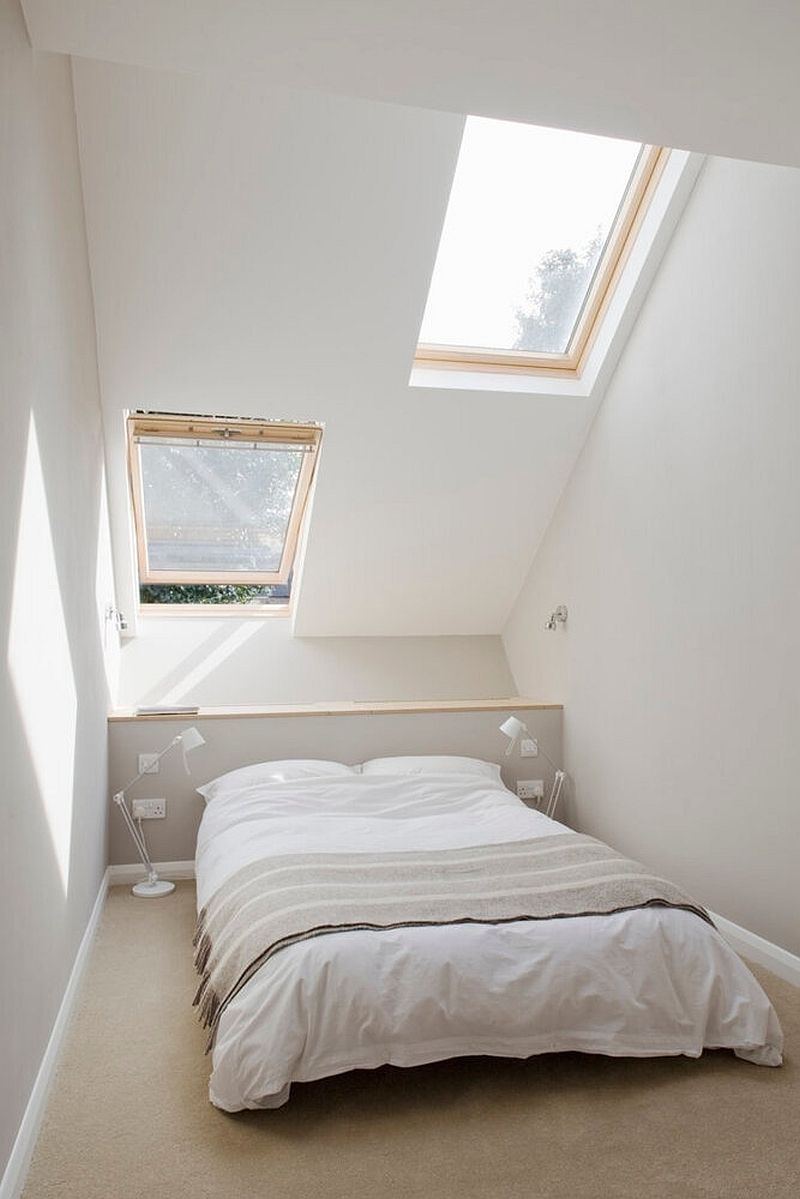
272, 772
433, 764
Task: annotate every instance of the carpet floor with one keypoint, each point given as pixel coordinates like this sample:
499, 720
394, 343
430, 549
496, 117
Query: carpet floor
129, 1116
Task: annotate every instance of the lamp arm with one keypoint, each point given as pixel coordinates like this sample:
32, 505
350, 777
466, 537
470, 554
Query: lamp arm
542, 751
138, 840
175, 741
548, 759
555, 794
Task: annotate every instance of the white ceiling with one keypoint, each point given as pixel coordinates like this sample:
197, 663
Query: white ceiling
259, 251
263, 250
719, 76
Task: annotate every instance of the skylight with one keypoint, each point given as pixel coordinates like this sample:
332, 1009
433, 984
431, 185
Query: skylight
218, 505
537, 222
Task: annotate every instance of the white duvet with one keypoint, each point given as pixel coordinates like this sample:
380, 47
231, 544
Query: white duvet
641, 983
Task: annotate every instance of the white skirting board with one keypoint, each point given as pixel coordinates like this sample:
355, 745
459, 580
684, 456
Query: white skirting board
13, 1178
134, 872
757, 949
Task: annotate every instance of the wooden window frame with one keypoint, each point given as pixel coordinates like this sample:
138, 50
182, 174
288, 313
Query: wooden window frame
213, 429
638, 194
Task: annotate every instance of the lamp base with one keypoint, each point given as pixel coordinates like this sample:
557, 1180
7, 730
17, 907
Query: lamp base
147, 890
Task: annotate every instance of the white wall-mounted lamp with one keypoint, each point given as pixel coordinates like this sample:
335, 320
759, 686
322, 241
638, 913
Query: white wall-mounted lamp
557, 616
514, 729
153, 886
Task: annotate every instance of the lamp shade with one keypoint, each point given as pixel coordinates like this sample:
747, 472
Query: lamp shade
191, 739
513, 728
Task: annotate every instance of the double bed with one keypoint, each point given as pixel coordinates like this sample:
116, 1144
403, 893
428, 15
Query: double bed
637, 981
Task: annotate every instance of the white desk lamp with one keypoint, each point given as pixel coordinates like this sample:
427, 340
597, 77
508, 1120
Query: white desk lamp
514, 729
153, 886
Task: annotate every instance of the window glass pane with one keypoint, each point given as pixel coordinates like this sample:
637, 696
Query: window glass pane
529, 215
216, 507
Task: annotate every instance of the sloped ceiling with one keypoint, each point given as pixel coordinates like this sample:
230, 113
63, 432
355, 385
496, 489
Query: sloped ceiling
719, 76
266, 252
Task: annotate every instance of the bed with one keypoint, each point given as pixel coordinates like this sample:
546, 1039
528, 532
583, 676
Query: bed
645, 981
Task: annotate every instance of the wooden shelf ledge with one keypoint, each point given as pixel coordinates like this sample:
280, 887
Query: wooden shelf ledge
343, 708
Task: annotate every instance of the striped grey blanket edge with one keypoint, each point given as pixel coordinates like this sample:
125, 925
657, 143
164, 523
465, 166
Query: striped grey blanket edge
275, 902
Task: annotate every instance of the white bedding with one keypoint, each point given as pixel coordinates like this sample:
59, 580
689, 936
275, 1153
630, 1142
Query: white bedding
640, 983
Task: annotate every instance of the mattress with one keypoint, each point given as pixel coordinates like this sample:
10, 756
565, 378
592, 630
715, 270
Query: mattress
639, 983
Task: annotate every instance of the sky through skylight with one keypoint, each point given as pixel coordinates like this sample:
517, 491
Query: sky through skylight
519, 193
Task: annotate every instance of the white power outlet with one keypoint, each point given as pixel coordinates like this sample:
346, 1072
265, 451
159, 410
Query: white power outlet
529, 747
148, 764
149, 809
530, 789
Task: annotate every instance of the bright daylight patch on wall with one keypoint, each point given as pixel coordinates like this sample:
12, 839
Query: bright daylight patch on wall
218, 505
538, 225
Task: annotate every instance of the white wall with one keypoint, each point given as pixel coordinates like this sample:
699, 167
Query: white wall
54, 569
219, 662
257, 251
675, 547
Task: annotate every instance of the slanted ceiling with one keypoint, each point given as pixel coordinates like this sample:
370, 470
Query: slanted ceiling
258, 251
719, 76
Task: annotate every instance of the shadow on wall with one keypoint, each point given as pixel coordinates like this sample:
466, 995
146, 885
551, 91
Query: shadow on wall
39, 658
220, 660
53, 689
55, 699
214, 650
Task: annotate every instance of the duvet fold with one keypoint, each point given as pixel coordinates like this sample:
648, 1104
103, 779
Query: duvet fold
276, 902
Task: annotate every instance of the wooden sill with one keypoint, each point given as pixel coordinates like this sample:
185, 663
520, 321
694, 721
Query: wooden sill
344, 708
215, 611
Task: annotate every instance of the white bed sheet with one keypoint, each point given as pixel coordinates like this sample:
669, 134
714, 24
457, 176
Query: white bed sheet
641, 983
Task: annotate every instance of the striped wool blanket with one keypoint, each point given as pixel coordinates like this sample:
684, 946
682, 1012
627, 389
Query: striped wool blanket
277, 901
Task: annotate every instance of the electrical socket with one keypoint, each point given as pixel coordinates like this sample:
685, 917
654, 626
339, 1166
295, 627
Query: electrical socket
529, 748
148, 763
149, 809
530, 789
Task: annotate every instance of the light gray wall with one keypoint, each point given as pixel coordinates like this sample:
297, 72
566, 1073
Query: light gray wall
675, 547
54, 580
349, 739
217, 662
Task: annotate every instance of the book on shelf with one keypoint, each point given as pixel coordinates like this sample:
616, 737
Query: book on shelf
169, 710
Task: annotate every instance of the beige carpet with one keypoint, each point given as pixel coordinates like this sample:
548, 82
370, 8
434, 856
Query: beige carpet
128, 1116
